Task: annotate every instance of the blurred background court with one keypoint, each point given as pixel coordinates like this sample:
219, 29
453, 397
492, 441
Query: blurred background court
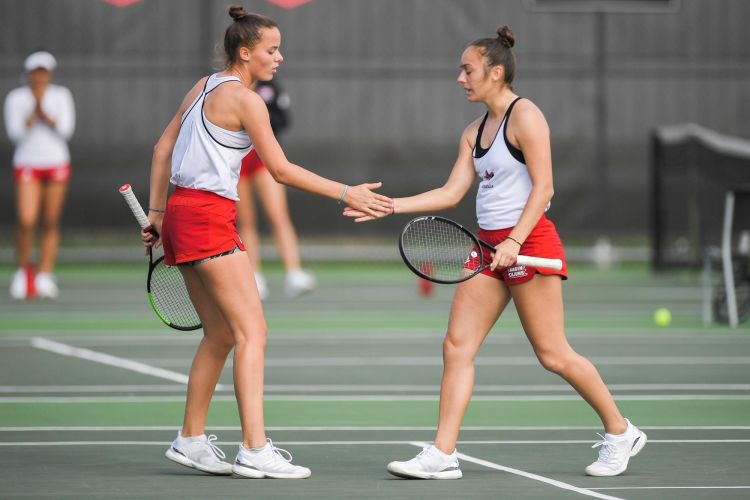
648, 103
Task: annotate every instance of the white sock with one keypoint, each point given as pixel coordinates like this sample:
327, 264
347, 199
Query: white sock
190, 439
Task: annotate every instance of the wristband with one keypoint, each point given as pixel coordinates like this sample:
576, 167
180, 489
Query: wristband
346, 188
514, 240
158, 210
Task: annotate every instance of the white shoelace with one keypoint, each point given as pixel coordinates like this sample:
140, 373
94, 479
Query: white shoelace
217, 451
607, 448
280, 451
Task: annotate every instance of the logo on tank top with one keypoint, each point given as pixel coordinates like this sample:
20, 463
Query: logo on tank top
486, 178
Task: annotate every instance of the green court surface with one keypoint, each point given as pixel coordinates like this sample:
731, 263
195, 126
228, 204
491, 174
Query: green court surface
92, 391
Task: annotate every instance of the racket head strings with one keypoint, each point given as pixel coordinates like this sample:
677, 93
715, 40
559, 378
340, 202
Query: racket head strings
438, 249
169, 297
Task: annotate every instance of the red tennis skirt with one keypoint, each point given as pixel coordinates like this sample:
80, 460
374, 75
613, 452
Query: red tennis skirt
542, 242
60, 173
251, 164
197, 225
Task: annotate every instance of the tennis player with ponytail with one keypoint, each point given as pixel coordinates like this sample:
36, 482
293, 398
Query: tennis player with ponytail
509, 149
200, 152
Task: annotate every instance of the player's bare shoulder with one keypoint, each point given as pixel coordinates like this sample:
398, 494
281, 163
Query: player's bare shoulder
192, 94
526, 114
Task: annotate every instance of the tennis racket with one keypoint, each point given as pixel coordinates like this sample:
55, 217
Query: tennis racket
436, 249
166, 289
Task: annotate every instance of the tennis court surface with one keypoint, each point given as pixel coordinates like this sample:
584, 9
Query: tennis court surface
92, 390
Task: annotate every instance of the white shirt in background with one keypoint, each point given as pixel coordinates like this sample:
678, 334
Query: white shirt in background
40, 146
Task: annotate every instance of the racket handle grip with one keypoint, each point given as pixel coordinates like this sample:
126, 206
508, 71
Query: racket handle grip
524, 260
127, 192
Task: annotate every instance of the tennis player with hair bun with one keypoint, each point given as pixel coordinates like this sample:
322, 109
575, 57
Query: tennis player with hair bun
200, 153
509, 149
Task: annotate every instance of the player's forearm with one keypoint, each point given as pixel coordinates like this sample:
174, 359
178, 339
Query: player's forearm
160, 173
430, 201
536, 205
300, 178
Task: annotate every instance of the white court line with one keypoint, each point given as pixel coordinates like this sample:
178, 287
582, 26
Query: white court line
518, 472
674, 488
418, 361
370, 428
399, 334
12, 389
107, 359
364, 398
371, 442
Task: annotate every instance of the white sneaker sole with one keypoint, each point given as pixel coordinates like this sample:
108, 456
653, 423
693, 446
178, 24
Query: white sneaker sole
183, 460
640, 442
399, 471
251, 473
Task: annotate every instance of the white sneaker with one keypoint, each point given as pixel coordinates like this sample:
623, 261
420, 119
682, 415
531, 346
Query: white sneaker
269, 462
298, 282
200, 453
18, 285
46, 288
430, 463
260, 282
615, 451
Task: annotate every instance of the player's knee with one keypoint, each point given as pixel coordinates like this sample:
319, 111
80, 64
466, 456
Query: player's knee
222, 343
26, 224
455, 349
254, 338
50, 226
553, 361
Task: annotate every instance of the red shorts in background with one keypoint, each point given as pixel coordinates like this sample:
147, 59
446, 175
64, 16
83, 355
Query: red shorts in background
251, 164
60, 173
542, 242
197, 225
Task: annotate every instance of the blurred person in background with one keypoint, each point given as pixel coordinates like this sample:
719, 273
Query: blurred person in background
39, 119
272, 196
509, 149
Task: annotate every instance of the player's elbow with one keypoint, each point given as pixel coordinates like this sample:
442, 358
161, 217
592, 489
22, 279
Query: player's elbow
161, 151
280, 175
549, 193
545, 191
451, 199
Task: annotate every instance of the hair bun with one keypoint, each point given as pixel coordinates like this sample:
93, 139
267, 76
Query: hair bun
237, 12
506, 36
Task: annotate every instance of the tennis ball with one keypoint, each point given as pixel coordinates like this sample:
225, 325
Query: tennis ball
662, 317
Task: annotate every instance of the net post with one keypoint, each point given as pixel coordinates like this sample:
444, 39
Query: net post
726, 260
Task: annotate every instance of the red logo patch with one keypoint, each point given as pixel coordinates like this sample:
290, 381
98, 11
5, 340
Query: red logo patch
122, 3
289, 4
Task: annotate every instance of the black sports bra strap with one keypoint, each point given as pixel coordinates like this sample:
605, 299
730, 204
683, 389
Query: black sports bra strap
514, 151
479, 150
510, 108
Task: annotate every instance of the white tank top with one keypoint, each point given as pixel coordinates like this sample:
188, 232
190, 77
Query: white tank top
205, 156
505, 184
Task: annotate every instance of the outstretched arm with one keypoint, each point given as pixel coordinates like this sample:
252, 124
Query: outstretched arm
447, 196
255, 120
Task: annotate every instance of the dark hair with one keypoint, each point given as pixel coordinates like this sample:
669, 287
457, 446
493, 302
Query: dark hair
245, 31
498, 53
